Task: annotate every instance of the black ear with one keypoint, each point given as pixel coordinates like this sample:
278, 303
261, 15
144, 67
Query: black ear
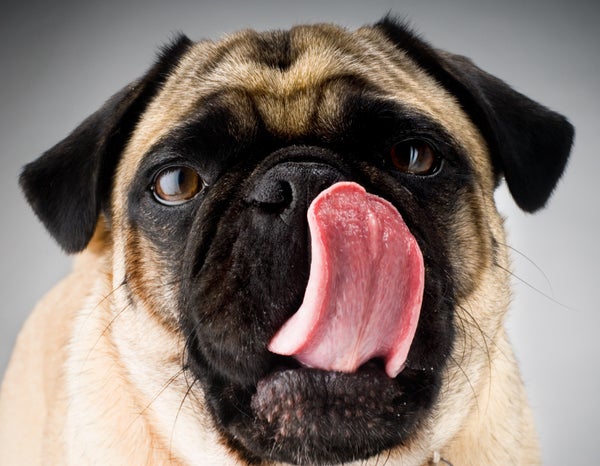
529, 144
69, 185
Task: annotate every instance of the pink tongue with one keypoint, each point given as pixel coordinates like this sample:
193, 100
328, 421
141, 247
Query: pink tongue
365, 288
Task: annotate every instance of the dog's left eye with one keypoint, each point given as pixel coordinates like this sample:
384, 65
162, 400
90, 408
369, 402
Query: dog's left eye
176, 185
415, 157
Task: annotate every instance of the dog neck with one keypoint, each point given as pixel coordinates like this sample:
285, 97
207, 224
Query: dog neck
501, 405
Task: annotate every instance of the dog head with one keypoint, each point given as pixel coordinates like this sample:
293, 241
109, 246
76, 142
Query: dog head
204, 171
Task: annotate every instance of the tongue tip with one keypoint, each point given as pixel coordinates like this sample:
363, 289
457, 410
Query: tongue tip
392, 371
280, 344
396, 362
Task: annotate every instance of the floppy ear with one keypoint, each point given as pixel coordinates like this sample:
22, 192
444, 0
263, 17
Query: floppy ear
528, 143
69, 185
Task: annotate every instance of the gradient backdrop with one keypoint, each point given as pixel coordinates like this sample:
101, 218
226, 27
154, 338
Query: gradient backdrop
61, 60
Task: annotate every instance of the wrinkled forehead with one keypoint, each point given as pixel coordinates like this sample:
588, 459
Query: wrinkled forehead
292, 79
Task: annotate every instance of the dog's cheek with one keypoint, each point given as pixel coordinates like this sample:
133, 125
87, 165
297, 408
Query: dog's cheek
469, 235
483, 267
152, 278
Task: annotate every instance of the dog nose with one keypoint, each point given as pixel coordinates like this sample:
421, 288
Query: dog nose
292, 185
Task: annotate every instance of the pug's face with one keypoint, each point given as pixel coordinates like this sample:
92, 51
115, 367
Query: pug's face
304, 354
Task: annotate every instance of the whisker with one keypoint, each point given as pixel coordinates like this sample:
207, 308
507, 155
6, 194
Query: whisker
185, 396
530, 261
473, 323
473, 391
487, 341
155, 397
104, 298
103, 333
164, 387
537, 290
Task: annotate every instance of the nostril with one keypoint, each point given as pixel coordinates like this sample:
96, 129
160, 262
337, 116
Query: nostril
291, 186
272, 194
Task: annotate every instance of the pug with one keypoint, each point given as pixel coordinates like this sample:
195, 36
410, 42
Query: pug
288, 252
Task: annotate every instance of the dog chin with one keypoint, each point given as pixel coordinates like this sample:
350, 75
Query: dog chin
301, 415
340, 417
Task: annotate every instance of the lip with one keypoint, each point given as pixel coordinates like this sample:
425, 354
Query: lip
288, 397
307, 416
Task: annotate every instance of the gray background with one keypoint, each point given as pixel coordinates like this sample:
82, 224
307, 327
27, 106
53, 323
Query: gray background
60, 60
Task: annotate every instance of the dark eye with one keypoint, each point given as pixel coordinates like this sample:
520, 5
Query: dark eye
176, 185
415, 157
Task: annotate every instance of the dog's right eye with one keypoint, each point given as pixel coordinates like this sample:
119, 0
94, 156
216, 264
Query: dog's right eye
176, 185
